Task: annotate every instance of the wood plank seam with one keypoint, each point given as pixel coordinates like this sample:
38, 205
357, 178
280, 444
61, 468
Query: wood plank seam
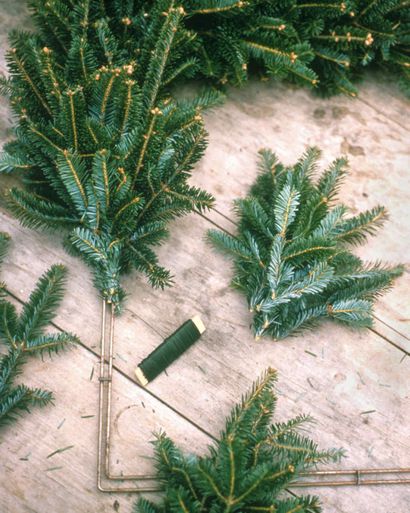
381, 113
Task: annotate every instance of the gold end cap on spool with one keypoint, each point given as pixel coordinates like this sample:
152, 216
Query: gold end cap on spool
141, 377
198, 323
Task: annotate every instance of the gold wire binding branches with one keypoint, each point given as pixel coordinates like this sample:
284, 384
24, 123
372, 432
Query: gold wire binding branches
148, 483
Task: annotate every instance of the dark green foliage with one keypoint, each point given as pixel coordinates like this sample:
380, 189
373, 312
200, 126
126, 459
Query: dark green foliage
105, 151
324, 44
247, 469
22, 336
4, 242
292, 254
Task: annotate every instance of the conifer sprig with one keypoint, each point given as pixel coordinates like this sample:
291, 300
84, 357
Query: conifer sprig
23, 335
292, 256
105, 151
324, 45
247, 469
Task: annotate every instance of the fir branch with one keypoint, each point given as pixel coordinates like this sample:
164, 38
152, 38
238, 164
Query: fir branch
37, 213
43, 301
26, 76
229, 478
291, 254
356, 229
24, 335
325, 45
4, 245
114, 157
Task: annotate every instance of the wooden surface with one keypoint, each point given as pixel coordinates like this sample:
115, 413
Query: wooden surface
335, 374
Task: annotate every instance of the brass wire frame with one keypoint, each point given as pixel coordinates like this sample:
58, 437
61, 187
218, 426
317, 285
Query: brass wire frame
104, 419
148, 483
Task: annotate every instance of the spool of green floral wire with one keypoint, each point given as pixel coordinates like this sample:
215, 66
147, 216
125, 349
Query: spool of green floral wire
170, 349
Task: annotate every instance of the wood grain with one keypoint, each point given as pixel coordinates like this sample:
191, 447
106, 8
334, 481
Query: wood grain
354, 383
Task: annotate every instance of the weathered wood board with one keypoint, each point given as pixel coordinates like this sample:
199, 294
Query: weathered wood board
335, 374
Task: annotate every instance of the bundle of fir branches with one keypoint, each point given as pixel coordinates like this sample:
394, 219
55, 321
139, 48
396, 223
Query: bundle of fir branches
23, 335
247, 469
292, 254
325, 44
105, 152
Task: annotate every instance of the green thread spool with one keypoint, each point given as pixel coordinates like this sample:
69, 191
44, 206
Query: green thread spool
170, 349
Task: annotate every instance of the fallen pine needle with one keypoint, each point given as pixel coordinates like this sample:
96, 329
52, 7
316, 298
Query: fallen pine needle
51, 469
60, 450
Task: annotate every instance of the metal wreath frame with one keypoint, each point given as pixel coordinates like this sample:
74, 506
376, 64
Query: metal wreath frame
148, 482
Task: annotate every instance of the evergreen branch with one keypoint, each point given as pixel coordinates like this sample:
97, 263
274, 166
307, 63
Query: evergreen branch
285, 209
212, 485
107, 94
226, 6
4, 245
331, 180
51, 74
341, 61
290, 256
337, 38
291, 426
102, 179
26, 75
356, 229
147, 138
128, 102
195, 200
73, 119
50, 343
38, 213
227, 478
229, 244
368, 7
153, 81
39, 310
289, 57
318, 5
70, 168
223, 40
23, 336
189, 64
88, 245
253, 397
356, 312
307, 251
99, 195
20, 399
127, 206
37, 132
8, 323
181, 168
9, 163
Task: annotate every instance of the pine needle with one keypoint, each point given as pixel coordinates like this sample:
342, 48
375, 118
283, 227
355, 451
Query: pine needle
58, 451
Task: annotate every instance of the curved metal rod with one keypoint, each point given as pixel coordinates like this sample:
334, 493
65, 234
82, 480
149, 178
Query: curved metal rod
146, 480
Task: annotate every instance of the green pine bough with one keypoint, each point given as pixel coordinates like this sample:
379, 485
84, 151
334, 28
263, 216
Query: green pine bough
325, 44
292, 255
23, 335
247, 469
104, 150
